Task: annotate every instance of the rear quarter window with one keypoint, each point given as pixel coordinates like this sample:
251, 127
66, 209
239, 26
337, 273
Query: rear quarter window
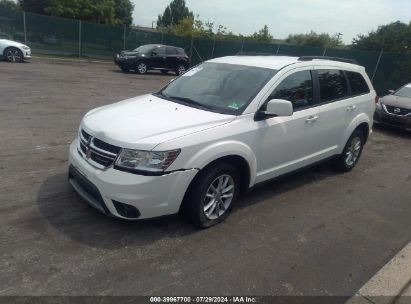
181, 52
357, 83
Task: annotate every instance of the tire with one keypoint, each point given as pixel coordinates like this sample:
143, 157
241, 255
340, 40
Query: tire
347, 160
164, 72
181, 69
13, 54
213, 183
141, 68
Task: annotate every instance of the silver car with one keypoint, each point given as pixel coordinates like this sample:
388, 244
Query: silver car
395, 109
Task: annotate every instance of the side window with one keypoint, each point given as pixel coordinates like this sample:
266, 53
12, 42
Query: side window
181, 52
297, 88
161, 51
171, 51
357, 83
332, 85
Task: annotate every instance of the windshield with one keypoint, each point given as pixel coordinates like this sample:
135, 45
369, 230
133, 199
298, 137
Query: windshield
404, 92
219, 87
144, 49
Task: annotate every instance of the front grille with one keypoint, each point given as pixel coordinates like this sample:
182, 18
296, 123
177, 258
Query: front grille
397, 110
105, 146
96, 151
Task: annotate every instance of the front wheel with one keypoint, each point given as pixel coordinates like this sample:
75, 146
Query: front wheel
212, 195
352, 152
142, 68
13, 54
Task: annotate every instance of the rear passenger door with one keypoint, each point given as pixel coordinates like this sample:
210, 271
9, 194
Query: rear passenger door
334, 106
159, 58
171, 58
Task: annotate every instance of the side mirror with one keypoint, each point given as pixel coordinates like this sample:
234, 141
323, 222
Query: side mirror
391, 91
279, 107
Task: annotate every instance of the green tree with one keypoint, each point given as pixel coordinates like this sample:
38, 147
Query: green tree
9, 4
34, 6
123, 11
101, 11
262, 35
189, 26
174, 13
393, 37
314, 39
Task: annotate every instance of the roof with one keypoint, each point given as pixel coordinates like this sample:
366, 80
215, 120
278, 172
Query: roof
278, 62
270, 62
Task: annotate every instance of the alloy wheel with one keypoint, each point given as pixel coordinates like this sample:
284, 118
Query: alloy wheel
353, 151
219, 196
13, 55
142, 68
181, 70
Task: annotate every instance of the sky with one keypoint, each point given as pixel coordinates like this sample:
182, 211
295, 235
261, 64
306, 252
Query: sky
349, 17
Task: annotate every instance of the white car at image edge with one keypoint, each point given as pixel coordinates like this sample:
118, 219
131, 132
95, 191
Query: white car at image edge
217, 131
14, 51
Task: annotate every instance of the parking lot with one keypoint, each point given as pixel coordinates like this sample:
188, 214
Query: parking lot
314, 233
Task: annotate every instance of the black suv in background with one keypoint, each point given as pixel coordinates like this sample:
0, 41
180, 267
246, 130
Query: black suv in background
154, 57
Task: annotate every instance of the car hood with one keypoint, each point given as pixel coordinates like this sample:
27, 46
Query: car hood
397, 101
147, 121
12, 43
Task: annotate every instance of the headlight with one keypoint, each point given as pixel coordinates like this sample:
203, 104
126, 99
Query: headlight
153, 162
25, 47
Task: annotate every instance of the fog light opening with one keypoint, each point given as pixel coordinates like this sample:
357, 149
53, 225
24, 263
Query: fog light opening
126, 210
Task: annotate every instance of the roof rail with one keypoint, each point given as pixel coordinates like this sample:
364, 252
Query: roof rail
254, 54
309, 58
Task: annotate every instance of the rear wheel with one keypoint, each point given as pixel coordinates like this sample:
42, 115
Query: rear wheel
181, 69
212, 195
351, 153
13, 54
142, 68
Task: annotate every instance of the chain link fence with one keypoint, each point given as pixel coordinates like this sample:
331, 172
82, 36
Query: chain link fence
76, 38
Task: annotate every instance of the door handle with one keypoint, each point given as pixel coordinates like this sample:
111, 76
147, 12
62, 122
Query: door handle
351, 108
311, 119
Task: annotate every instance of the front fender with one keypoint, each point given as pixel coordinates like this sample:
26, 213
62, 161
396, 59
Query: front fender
222, 149
359, 119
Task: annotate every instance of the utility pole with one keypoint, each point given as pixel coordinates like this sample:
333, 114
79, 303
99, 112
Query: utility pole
338, 38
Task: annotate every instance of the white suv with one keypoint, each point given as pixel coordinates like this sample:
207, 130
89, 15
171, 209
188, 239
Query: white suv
217, 131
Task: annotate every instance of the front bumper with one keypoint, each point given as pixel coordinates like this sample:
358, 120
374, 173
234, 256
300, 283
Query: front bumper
124, 62
27, 54
397, 121
151, 196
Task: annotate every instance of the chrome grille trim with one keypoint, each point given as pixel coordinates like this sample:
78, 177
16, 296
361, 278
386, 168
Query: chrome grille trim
97, 157
402, 111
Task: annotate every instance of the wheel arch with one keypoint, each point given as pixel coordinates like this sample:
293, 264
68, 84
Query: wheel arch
236, 153
361, 122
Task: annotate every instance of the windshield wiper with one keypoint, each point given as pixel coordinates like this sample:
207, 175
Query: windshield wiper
185, 100
189, 101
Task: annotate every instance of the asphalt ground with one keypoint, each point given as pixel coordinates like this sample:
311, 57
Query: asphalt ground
314, 233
